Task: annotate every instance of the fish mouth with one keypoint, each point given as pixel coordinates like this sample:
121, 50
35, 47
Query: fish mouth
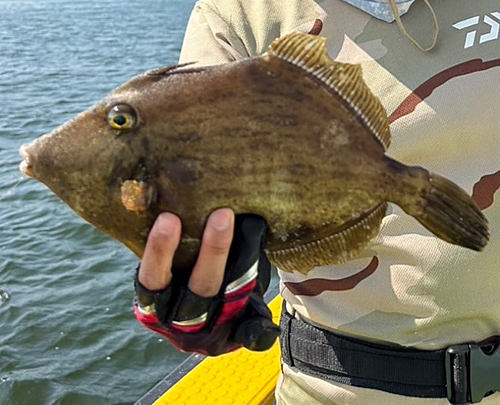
26, 165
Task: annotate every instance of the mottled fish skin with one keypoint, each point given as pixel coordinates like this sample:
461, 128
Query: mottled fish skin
279, 136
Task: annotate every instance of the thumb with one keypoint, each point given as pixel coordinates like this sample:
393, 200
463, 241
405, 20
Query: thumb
257, 334
257, 331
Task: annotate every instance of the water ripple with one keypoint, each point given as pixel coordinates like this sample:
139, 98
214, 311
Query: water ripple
68, 335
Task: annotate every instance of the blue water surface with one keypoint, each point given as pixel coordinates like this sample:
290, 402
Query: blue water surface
67, 332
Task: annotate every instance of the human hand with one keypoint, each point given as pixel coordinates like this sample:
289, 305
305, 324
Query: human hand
221, 308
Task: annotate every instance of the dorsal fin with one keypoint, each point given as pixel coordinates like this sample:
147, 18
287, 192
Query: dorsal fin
309, 53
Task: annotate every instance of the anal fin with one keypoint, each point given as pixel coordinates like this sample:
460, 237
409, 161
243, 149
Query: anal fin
337, 248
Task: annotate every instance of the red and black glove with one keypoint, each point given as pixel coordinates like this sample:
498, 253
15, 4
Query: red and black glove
237, 316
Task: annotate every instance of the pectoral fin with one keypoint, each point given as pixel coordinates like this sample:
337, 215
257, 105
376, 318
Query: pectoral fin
137, 195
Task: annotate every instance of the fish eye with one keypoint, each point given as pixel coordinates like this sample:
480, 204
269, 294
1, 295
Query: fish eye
122, 117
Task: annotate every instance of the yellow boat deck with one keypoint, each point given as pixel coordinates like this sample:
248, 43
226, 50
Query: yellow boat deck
239, 378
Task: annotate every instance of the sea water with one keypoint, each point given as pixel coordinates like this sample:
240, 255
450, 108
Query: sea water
67, 332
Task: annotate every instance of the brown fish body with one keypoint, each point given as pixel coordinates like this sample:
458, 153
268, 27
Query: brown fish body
260, 136
251, 153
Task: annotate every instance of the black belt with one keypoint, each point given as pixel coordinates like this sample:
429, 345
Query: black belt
462, 373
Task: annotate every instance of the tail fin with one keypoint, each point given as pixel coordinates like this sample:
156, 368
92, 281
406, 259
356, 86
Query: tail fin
451, 214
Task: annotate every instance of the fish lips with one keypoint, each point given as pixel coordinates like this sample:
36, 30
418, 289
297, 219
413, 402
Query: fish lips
26, 165
31, 155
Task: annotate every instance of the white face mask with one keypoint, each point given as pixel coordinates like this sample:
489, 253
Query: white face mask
381, 9
390, 10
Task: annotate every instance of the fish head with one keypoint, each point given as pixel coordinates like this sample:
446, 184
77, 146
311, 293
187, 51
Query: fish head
101, 164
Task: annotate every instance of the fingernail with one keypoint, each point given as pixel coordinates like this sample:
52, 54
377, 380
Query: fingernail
165, 224
221, 219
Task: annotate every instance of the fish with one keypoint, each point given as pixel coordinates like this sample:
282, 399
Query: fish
290, 135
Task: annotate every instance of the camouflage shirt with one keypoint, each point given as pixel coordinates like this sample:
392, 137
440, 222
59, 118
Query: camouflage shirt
408, 287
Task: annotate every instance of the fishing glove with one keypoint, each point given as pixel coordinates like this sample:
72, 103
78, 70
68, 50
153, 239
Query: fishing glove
237, 316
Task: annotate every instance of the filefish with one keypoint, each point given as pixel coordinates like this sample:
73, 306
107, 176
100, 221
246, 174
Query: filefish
291, 135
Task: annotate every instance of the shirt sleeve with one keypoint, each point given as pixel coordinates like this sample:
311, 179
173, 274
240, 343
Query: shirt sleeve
209, 40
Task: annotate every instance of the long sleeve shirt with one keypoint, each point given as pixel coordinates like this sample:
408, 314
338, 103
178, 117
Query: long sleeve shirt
408, 287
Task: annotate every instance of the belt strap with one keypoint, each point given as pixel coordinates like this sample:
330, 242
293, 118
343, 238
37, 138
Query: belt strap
346, 360
463, 373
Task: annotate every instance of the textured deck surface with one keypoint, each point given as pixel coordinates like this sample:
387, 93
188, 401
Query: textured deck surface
239, 378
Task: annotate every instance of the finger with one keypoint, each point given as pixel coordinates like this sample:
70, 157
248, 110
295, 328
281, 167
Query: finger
208, 272
155, 272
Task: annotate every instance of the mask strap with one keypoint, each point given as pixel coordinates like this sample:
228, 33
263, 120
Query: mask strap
405, 33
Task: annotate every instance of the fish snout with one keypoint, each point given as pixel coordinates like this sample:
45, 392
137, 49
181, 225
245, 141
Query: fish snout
26, 165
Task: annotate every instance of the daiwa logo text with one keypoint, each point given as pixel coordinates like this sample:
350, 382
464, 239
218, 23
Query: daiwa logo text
470, 38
